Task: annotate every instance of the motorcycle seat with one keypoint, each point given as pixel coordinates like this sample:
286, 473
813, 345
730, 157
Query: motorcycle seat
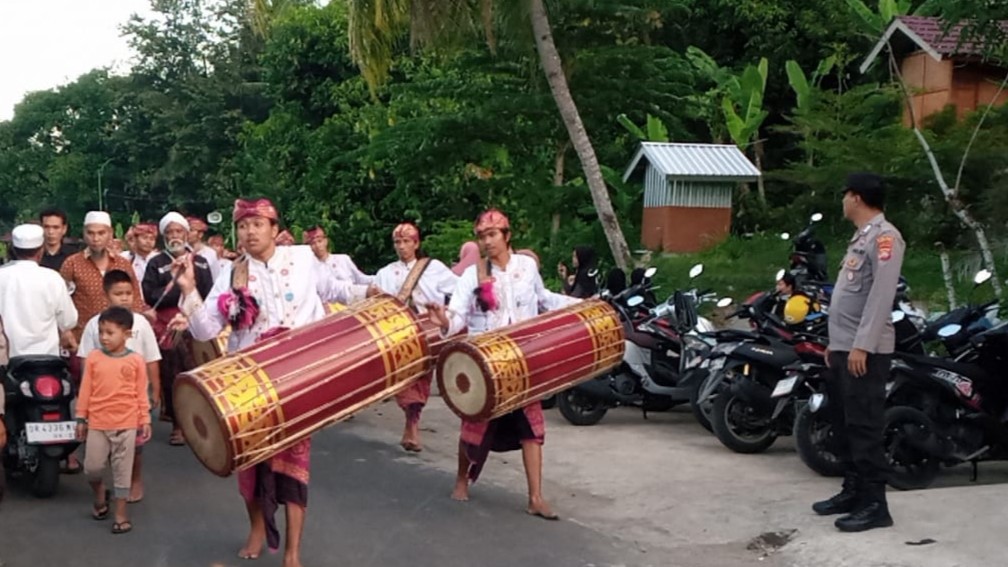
39, 361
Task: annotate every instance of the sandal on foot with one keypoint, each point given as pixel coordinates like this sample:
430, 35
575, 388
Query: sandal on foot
65, 468
176, 440
122, 527
101, 511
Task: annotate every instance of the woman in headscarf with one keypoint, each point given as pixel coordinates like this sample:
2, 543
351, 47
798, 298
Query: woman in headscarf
582, 284
469, 255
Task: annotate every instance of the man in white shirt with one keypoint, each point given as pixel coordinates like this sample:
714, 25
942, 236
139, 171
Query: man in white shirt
289, 286
143, 248
340, 264
34, 302
503, 290
198, 228
417, 280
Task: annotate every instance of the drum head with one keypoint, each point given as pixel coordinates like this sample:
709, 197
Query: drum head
464, 384
203, 428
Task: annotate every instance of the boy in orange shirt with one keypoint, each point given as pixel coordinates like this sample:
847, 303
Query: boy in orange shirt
111, 407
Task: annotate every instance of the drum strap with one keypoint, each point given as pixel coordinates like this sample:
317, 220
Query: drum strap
412, 279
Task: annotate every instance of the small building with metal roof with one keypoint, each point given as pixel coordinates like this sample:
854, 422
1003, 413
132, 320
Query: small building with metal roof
688, 192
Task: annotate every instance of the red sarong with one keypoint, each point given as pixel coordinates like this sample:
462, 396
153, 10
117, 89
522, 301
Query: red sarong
283, 479
505, 433
413, 399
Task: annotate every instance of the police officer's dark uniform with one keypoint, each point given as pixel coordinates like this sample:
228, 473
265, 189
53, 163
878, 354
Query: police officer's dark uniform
860, 318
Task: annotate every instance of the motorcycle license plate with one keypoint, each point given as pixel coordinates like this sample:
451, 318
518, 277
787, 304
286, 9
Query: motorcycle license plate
784, 387
51, 431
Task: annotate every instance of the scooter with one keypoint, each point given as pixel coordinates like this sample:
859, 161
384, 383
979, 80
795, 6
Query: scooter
649, 376
41, 431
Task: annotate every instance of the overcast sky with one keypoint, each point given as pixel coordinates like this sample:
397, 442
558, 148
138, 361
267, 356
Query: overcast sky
47, 43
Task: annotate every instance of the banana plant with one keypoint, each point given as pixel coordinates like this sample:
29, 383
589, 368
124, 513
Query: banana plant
745, 92
656, 131
801, 85
874, 23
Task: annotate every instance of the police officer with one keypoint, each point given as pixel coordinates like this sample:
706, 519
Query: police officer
861, 342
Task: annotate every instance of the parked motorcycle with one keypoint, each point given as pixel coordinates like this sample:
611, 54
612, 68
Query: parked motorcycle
40, 427
808, 257
649, 376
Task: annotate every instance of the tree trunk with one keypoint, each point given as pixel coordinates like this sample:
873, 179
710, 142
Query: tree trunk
758, 152
947, 277
961, 212
558, 181
550, 60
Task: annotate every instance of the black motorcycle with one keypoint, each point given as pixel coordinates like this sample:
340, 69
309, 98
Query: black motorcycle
40, 428
808, 256
948, 412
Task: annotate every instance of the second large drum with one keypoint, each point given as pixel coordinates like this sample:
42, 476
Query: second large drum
243, 408
494, 373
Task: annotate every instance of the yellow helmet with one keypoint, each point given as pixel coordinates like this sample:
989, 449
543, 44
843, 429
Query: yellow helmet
797, 309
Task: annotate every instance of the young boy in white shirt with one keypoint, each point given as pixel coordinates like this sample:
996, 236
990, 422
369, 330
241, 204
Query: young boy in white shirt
119, 290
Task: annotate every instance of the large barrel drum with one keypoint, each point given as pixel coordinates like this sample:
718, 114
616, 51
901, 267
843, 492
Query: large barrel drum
488, 375
245, 407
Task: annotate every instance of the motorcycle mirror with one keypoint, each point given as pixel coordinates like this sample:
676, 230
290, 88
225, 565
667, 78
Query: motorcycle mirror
816, 217
816, 402
779, 276
214, 217
949, 330
785, 236
898, 315
635, 301
981, 277
696, 271
650, 272
593, 273
724, 302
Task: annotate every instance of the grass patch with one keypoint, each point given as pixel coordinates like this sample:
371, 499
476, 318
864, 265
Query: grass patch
741, 266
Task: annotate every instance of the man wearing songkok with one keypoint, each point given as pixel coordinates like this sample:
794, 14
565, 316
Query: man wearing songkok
34, 302
501, 290
143, 249
264, 292
84, 271
341, 264
417, 280
198, 228
163, 296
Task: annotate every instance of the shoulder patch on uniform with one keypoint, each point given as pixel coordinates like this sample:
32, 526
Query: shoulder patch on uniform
884, 243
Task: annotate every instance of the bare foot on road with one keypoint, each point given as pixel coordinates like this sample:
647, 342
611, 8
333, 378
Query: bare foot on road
461, 492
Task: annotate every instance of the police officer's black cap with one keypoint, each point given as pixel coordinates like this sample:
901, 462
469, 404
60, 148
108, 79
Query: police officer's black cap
865, 184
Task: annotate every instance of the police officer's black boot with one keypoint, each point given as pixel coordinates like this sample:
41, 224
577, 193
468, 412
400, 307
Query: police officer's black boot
842, 503
873, 513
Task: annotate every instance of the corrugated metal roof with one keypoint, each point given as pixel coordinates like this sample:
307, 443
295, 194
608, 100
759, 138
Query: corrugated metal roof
715, 162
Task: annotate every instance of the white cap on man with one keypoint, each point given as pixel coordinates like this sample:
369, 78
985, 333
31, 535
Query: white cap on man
27, 236
98, 217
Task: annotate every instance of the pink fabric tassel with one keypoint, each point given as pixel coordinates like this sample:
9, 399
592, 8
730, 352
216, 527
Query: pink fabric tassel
486, 294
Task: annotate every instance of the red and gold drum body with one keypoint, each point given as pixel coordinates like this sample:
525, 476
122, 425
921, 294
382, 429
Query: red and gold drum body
492, 374
243, 408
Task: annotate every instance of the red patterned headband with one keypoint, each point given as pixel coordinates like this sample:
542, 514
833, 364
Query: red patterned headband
285, 238
196, 223
491, 218
406, 230
145, 228
258, 208
309, 236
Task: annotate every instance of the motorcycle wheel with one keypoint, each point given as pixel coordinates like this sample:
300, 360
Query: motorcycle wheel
46, 478
910, 467
812, 432
580, 409
550, 402
726, 420
701, 411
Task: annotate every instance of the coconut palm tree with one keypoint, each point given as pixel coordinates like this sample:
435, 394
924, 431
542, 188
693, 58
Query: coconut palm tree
376, 25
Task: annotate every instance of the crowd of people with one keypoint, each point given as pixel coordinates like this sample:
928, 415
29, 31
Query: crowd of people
131, 309
125, 319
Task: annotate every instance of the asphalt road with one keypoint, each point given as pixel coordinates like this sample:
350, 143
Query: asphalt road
369, 505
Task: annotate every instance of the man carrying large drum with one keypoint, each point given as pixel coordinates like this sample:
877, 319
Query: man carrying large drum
266, 291
501, 290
